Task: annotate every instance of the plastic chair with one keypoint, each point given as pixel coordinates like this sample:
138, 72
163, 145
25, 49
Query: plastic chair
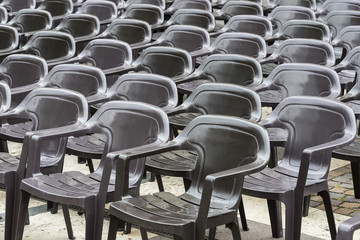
348, 38
298, 79
12, 6
222, 68
105, 11
188, 4
234, 8
214, 193
148, 128
159, 3
220, 3
151, 14
338, 20
298, 50
249, 24
57, 8
271, 4
335, 5
3, 15
47, 108
305, 165
282, 14
9, 39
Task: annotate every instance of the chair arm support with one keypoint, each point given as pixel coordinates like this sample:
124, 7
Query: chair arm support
348, 227
202, 52
118, 71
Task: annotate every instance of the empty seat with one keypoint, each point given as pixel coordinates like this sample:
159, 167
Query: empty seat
159, 3
337, 20
9, 39
233, 8
188, 4
57, 8
348, 38
151, 14
12, 6
105, 11
335, 5
270, 4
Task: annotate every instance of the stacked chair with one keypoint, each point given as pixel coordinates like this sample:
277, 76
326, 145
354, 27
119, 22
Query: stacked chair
172, 88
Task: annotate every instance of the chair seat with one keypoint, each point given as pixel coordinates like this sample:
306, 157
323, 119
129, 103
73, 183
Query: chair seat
181, 120
90, 146
15, 132
188, 87
271, 98
349, 152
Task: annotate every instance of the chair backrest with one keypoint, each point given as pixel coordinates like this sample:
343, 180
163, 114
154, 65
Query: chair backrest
189, 38
338, 20
234, 8
149, 13
348, 38
305, 132
302, 79
224, 99
245, 143
282, 14
230, 68
16, 5
3, 15
9, 38
305, 29
240, 43
5, 96
166, 61
301, 3
130, 31
106, 53
31, 20
57, 8
250, 24
335, 5
149, 125
189, 4
105, 11
145, 87
159, 3
79, 25
84, 79
350, 62
194, 17
51, 45
118, 3
301, 50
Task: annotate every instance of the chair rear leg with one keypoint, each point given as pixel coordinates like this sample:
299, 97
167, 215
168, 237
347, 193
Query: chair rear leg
21, 217
113, 227
243, 216
355, 171
306, 206
329, 213
293, 218
212, 233
68, 221
235, 230
274, 208
9, 210
90, 228
159, 182
90, 165
144, 235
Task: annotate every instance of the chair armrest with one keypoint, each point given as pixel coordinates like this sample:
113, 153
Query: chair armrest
348, 227
146, 45
179, 109
183, 79
97, 98
119, 70
202, 52
63, 61
270, 59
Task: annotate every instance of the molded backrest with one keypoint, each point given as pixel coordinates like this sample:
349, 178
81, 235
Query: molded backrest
149, 13
304, 131
167, 61
348, 38
233, 8
230, 68
3, 15
118, 3
5, 97
22, 69
16, 5
79, 25
194, 17
299, 50
250, 24
9, 38
190, 4
144, 87
51, 45
29, 20
300, 79
301, 3
149, 125
306, 29
103, 10
159, 3
337, 20
240, 43
80, 78
106, 53
335, 5
211, 136
189, 38
57, 7
225, 99
280, 15
130, 31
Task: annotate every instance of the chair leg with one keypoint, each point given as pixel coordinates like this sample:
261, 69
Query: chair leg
329, 212
274, 208
127, 229
68, 221
9, 210
243, 216
212, 233
90, 227
273, 158
235, 230
144, 235
355, 171
187, 183
90, 165
4, 146
293, 218
306, 206
113, 227
21, 217
159, 182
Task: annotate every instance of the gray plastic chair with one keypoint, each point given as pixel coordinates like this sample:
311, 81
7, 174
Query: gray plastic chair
159, 3
305, 165
105, 11
151, 14
335, 5
9, 39
233, 8
188, 4
249, 24
47, 108
271, 4
57, 8
149, 127
13, 6
338, 20
214, 193
348, 38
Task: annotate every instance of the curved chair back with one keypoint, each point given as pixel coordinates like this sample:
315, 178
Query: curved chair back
159, 3
348, 38
9, 38
234, 8
305, 29
282, 14
334, 5
301, 3
167, 61
57, 8
194, 17
151, 14
338, 20
189, 4
144, 87
240, 43
16, 5
80, 25
31, 20
105, 11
